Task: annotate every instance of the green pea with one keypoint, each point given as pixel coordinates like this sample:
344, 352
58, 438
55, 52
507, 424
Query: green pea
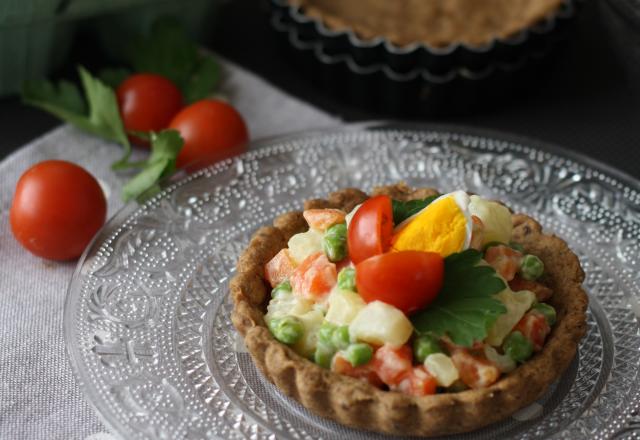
517, 347
424, 345
325, 334
287, 330
334, 242
323, 355
531, 267
347, 279
340, 338
548, 312
284, 288
516, 246
358, 354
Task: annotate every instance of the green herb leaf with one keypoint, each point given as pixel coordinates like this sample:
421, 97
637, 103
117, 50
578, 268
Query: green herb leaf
168, 51
62, 101
64, 96
165, 147
203, 80
404, 210
465, 308
113, 77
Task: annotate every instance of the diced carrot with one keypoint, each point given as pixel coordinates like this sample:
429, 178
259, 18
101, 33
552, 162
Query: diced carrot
477, 233
541, 291
364, 372
534, 327
417, 382
392, 363
475, 370
279, 268
504, 260
323, 219
314, 277
448, 344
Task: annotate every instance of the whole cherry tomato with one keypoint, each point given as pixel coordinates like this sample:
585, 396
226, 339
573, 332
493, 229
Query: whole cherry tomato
57, 209
408, 280
147, 102
370, 229
212, 130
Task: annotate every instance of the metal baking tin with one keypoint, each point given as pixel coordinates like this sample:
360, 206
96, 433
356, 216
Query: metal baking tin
416, 80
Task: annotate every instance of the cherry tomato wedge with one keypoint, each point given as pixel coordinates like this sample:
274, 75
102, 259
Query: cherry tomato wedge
370, 229
147, 102
408, 280
57, 209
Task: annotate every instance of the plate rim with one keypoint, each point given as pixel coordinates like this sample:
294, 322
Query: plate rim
68, 323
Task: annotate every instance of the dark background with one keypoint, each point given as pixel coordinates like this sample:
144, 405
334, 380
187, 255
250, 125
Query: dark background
584, 102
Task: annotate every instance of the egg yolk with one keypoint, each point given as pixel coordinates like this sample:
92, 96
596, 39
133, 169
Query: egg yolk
441, 227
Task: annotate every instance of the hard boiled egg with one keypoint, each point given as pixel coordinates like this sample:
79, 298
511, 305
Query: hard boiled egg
444, 227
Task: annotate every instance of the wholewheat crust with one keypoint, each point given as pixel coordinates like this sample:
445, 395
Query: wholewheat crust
359, 405
435, 22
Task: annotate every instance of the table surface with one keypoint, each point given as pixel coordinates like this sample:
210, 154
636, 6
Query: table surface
584, 103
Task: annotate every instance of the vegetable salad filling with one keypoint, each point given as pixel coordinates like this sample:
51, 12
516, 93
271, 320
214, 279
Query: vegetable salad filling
418, 297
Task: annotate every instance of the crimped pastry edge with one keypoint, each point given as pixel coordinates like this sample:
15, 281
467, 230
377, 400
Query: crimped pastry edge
357, 404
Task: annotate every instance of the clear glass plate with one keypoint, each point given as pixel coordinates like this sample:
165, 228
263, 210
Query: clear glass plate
147, 317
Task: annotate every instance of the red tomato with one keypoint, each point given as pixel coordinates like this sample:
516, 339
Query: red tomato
212, 130
392, 363
314, 277
57, 209
408, 280
147, 102
370, 229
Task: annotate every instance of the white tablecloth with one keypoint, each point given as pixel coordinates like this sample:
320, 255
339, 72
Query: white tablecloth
39, 398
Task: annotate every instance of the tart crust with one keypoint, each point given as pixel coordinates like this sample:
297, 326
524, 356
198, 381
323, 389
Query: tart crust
357, 404
434, 22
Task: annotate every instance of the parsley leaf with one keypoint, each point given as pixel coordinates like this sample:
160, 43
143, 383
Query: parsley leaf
465, 308
114, 76
64, 96
404, 210
165, 146
65, 102
168, 51
203, 80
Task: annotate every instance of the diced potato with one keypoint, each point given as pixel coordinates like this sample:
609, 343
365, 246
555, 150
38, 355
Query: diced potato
441, 367
285, 305
343, 306
311, 321
517, 303
504, 363
495, 218
350, 215
380, 323
304, 244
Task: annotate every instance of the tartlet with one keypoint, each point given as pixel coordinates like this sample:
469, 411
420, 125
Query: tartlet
360, 405
388, 76
436, 23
